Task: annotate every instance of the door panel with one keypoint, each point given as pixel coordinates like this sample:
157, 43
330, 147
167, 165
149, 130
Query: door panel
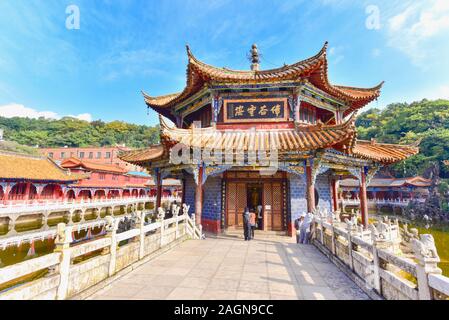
241, 202
277, 207
267, 205
231, 203
235, 203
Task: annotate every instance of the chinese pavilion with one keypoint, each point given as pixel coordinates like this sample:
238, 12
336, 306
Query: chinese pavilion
231, 125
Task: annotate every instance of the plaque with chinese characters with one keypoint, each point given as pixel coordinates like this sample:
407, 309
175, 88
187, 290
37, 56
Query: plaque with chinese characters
259, 110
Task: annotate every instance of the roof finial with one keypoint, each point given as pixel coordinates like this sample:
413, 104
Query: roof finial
255, 60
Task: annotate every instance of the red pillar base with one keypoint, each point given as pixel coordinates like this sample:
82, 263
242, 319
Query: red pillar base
213, 226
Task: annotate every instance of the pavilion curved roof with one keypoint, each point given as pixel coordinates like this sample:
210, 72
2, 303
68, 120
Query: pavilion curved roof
314, 69
300, 138
383, 152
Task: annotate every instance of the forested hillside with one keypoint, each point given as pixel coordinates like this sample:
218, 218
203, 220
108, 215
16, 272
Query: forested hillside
426, 120
73, 132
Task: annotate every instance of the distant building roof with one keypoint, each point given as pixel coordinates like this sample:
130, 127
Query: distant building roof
138, 173
390, 182
26, 167
73, 162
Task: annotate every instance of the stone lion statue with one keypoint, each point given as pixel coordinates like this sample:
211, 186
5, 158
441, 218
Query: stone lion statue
185, 208
109, 226
352, 223
410, 235
425, 246
379, 231
160, 213
60, 233
176, 210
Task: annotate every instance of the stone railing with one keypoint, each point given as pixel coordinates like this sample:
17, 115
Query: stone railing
70, 210
374, 260
72, 271
394, 202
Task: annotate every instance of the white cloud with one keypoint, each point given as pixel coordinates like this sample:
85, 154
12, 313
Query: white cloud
415, 31
19, 110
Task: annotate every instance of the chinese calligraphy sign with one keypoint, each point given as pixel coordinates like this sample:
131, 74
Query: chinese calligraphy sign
256, 109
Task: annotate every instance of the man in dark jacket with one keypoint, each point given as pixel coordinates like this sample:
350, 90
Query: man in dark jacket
246, 224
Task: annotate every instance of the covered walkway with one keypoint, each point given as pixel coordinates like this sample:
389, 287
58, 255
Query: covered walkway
229, 268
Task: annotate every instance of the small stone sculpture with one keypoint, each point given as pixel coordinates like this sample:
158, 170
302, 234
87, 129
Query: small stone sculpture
185, 208
425, 247
60, 233
160, 213
176, 210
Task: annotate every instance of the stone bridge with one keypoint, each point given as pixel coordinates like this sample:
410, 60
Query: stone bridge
227, 267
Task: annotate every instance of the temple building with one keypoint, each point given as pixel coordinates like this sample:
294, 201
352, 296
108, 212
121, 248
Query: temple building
275, 141
109, 181
26, 177
393, 189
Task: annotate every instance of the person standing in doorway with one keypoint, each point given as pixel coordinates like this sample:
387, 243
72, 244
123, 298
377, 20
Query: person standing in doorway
252, 223
259, 217
246, 224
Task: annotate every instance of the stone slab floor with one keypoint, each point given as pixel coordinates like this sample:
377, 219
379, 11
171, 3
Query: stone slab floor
229, 268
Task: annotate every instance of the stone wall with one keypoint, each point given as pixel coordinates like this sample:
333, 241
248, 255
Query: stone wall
211, 217
323, 186
190, 187
298, 196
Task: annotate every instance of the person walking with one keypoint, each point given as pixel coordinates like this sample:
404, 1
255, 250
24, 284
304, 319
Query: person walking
298, 223
252, 223
246, 224
305, 228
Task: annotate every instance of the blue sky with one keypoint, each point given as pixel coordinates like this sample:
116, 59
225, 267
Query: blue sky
124, 46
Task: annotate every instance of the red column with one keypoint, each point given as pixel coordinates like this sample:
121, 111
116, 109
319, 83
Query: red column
334, 194
363, 197
27, 191
310, 188
199, 196
158, 189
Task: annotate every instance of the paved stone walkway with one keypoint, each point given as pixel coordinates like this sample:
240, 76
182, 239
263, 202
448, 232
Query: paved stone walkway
230, 268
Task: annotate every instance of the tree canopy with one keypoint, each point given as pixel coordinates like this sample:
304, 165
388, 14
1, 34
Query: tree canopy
426, 121
73, 132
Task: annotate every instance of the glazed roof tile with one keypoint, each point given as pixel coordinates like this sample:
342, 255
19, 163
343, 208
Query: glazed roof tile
314, 69
25, 167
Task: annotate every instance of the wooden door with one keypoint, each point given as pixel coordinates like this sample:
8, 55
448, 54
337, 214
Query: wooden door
267, 206
272, 206
235, 203
277, 207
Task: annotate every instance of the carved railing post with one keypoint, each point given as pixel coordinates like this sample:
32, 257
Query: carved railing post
333, 239
141, 215
380, 241
349, 237
175, 215
62, 243
427, 256
160, 217
111, 229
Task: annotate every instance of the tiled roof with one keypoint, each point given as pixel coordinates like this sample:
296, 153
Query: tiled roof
94, 166
25, 167
382, 152
301, 138
314, 69
389, 182
142, 155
